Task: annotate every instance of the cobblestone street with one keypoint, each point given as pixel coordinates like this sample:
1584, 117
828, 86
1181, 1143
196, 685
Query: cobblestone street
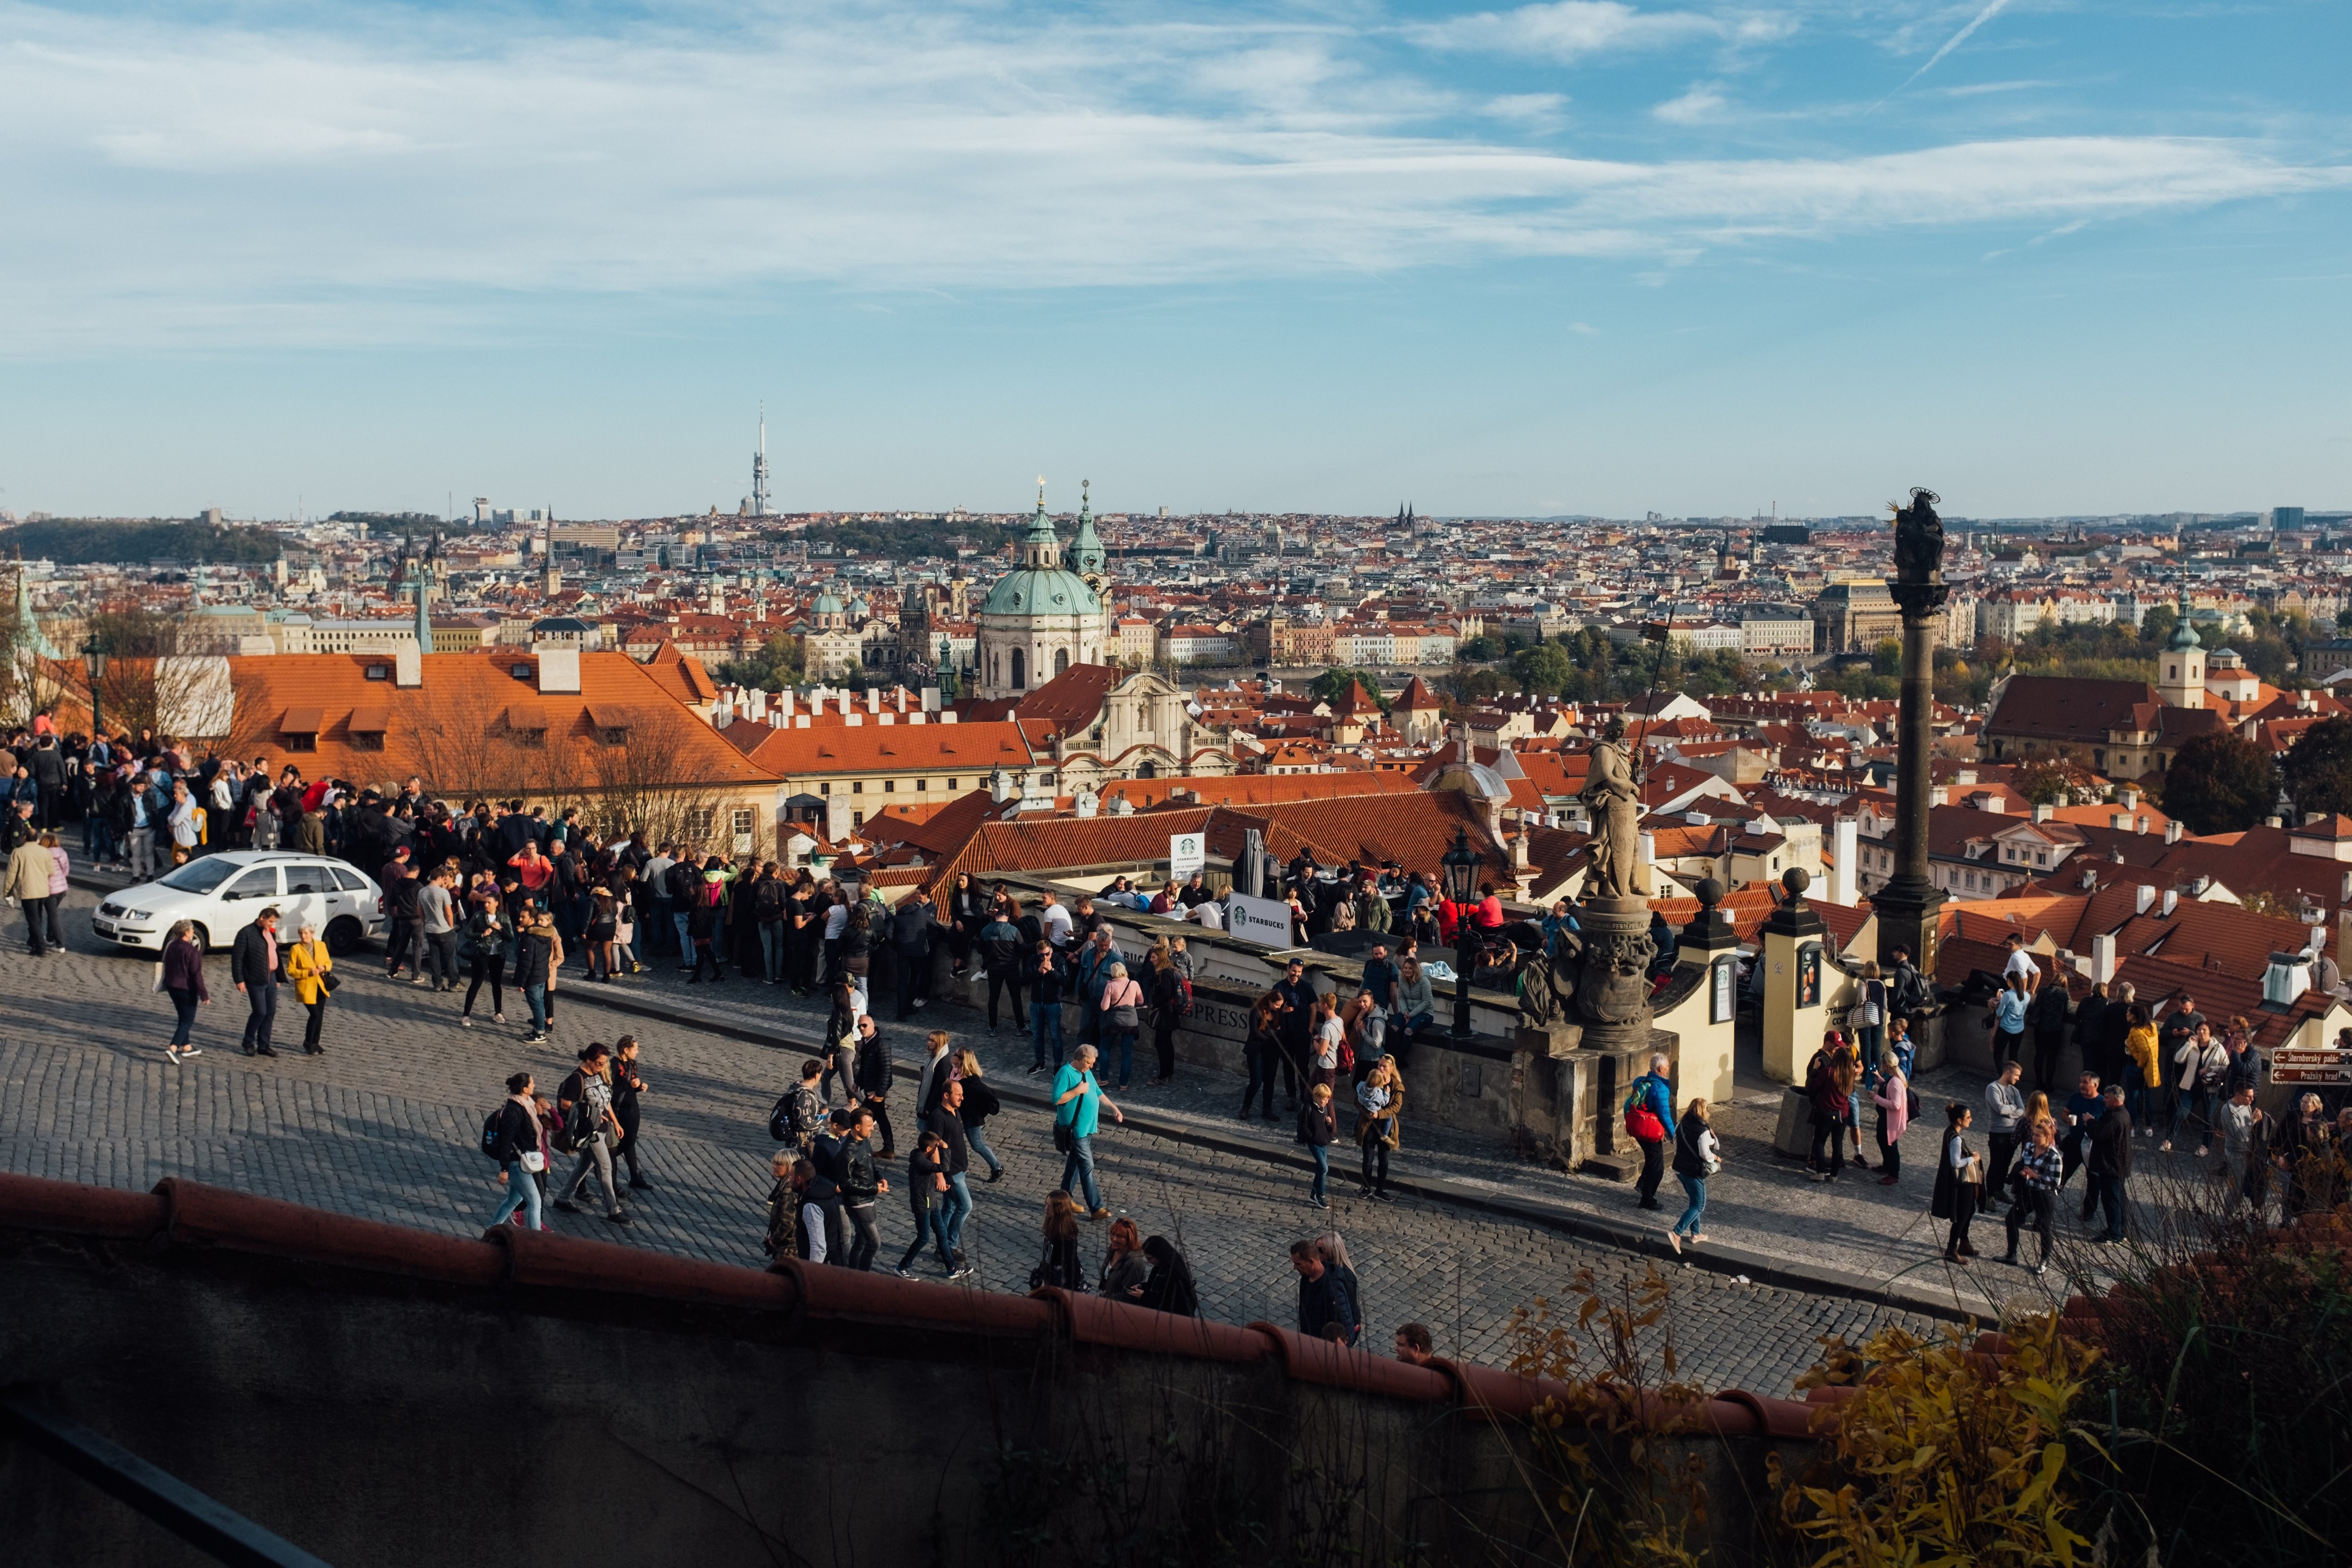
382, 1127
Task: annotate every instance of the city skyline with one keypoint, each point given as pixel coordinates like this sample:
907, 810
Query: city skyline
1575, 258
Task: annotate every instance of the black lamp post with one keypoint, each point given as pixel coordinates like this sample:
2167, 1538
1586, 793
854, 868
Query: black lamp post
1460, 865
93, 664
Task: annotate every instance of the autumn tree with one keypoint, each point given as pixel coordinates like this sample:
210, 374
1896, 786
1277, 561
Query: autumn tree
2219, 783
2318, 771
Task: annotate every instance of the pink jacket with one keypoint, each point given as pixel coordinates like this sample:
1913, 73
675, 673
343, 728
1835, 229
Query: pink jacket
1894, 1098
58, 869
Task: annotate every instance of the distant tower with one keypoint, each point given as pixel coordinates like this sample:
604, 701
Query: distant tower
759, 468
2181, 670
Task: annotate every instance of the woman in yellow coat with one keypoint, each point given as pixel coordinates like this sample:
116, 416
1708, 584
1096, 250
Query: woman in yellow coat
2145, 1078
307, 965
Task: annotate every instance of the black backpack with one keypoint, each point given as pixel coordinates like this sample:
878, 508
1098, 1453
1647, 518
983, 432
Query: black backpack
491, 1124
780, 1119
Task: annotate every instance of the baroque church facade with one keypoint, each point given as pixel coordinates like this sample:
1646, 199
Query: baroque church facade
1044, 616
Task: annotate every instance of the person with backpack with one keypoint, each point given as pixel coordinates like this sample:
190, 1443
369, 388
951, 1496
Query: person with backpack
1829, 1108
1869, 1016
1319, 1129
1000, 959
1697, 1155
800, 1112
584, 1102
1649, 1112
925, 1182
510, 1136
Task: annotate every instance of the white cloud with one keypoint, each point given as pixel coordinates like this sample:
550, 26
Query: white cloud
173, 186
1571, 29
1704, 101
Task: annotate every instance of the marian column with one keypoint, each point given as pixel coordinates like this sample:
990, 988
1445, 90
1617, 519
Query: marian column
1908, 905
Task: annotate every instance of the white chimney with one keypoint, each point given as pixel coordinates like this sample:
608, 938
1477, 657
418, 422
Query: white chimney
2129, 798
886, 718
2171, 900
899, 696
1649, 848
1965, 776
2288, 977
917, 718
853, 720
559, 671
800, 720
2044, 813
1939, 795
407, 666
783, 708
2142, 897
948, 716
844, 704
2311, 816
2120, 821
930, 699
873, 699
2172, 831
2318, 941
1848, 850
2103, 956
1697, 819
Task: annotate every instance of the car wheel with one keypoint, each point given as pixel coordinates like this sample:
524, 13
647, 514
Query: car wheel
345, 937
204, 938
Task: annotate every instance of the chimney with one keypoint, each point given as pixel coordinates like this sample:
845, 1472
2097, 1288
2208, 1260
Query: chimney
1848, 850
559, 671
2311, 816
2200, 887
2142, 897
2129, 798
1520, 850
800, 720
2044, 813
2172, 831
2270, 822
2303, 702
1939, 795
2103, 957
899, 696
2288, 977
1964, 778
2171, 900
2090, 880
783, 708
1649, 848
407, 666
844, 704
873, 699
2318, 941
2120, 821
930, 699
948, 716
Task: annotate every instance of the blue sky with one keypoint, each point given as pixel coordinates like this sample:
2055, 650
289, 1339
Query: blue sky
1581, 255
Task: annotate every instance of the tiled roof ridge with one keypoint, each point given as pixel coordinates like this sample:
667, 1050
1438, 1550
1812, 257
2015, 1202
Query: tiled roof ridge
199, 1223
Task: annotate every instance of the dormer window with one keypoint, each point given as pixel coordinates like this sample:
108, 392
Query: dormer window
379, 672
520, 671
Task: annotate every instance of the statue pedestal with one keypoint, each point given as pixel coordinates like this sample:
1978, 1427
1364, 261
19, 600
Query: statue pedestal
1612, 992
1565, 1090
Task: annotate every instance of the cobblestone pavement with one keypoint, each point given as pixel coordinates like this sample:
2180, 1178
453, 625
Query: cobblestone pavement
382, 1127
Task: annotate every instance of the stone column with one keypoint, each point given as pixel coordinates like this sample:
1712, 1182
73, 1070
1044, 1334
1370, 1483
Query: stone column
1908, 905
1792, 1021
1703, 1049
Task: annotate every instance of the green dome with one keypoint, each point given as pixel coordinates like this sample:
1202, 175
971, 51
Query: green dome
1041, 591
826, 605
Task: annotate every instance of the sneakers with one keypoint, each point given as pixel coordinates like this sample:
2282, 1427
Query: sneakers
2039, 1269
903, 1272
172, 1055
920, 1002
567, 1205
187, 1051
1318, 1203
618, 1217
1100, 1213
1675, 1240
498, 1017
465, 1020
960, 1271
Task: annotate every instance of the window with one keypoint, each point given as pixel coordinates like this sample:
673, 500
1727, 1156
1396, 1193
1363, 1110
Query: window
922, 784
856, 820
890, 786
532, 740
951, 783
520, 671
367, 740
348, 882
308, 741
858, 786
1020, 669
379, 672
742, 820
698, 820
261, 882
614, 734
824, 786
309, 879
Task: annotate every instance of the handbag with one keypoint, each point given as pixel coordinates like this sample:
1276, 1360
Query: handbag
328, 983
533, 1161
1064, 1141
159, 976
1122, 1015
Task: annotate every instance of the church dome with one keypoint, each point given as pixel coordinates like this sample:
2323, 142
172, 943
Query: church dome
826, 605
1041, 591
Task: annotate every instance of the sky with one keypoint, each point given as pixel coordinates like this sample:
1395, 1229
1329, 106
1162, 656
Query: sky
1579, 256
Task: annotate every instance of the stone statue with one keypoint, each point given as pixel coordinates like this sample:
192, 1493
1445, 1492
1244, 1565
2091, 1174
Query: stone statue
1614, 987
1614, 797
1918, 539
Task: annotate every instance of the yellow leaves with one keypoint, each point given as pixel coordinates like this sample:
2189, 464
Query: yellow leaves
2053, 1462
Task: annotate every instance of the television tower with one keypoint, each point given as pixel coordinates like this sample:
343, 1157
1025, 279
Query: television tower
760, 467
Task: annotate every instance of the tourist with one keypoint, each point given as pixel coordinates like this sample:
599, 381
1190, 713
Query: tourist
1653, 1093
786, 1235
61, 873
1906, 995
1379, 1111
1959, 1176
2108, 1162
1047, 982
403, 908
488, 935
705, 917
1830, 1078
926, 1182
979, 1103
874, 1075
2020, 965
911, 925
1078, 1104
2203, 1063
2004, 1111
1000, 959
1414, 1346
1261, 1049
309, 970
1167, 997
1869, 1018
2243, 1136
1169, 1287
1298, 1019
947, 1120
1060, 1268
183, 975
27, 882
516, 1147
584, 1101
2006, 1014
2089, 1024
1416, 1004
1124, 1265
939, 1067
2035, 1191
1699, 1154
840, 1047
1893, 1098
967, 919
255, 968
1319, 1129
438, 930
860, 1186
2139, 1072
626, 1087
1330, 1040
534, 968
2047, 1020
2306, 1148
1121, 1011
1325, 1308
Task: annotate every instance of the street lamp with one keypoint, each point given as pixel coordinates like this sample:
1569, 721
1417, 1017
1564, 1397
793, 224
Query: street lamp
1460, 866
94, 663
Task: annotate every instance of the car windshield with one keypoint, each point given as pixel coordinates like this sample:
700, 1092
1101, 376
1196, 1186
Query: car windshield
199, 876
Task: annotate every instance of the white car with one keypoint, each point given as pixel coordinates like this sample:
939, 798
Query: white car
223, 893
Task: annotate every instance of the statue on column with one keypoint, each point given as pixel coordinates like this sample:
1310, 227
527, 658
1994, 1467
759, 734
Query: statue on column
1613, 794
1918, 539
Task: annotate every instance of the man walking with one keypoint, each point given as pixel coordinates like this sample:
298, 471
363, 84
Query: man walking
1654, 1092
999, 955
403, 901
1078, 1105
256, 967
955, 1159
30, 870
626, 1087
860, 1185
2110, 1162
584, 1101
2004, 1110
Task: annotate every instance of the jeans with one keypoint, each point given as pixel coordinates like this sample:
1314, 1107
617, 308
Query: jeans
1004, 983
2033, 1208
869, 1239
489, 969
1041, 1014
1696, 1187
957, 1209
772, 949
261, 996
657, 916
2006, 1047
1890, 1150
1828, 1130
1125, 1044
537, 996
1320, 1187
2192, 1105
441, 958
595, 1156
143, 853
522, 1192
1081, 1168
406, 943
1996, 1186
183, 1002
1418, 1022
685, 943
979, 1147
2109, 1190
928, 1227
910, 968
1261, 1082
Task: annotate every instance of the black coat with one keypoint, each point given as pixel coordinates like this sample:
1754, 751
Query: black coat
874, 1069
249, 959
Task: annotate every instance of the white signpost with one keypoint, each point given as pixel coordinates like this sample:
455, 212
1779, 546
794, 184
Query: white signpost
1266, 921
1186, 853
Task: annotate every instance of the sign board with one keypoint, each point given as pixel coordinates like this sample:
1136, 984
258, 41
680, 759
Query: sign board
2320, 1067
1809, 975
1723, 980
1266, 921
1186, 853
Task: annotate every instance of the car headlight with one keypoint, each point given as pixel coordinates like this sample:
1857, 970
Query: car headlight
140, 915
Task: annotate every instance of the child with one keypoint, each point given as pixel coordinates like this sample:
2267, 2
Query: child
1319, 1129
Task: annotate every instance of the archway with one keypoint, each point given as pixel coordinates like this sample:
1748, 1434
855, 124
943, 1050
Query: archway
1020, 669
1061, 660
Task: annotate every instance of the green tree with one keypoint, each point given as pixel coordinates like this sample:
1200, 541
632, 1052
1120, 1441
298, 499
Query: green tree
1545, 668
777, 665
2318, 771
2155, 624
1478, 650
1886, 658
1333, 683
2220, 782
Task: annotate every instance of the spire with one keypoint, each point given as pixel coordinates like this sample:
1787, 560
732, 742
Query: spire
2184, 636
424, 614
1042, 547
1085, 549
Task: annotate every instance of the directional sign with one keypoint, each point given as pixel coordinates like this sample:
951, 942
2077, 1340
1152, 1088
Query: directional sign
2311, 1067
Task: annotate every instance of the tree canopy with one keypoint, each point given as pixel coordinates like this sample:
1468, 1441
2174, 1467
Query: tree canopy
2318, 771
2219, 783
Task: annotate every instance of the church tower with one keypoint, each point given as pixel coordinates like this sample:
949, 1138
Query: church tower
2180, 668
1041, 617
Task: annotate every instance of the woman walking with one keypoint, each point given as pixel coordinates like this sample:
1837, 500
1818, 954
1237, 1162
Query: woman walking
1122, 1015
1319, 1129
1167, 1007
1060, 1267
1893, 1098
519, 1155
183, 983
488, 935
980, 1103
1698, 1156
309, 968
1959, 1177
60, 864
1379, 1101
1261, 1050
